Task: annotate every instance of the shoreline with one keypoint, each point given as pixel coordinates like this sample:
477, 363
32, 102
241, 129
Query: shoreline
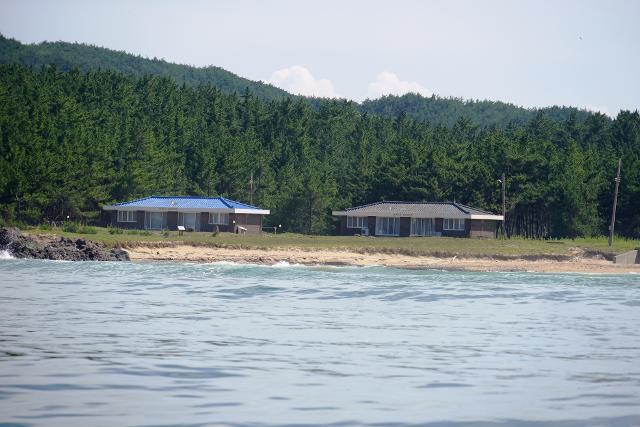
328, 257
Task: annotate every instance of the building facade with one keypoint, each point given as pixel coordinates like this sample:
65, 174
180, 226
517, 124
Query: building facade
193, 213
407, 219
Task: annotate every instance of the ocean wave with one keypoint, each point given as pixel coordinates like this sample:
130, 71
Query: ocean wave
281, 264
4, 254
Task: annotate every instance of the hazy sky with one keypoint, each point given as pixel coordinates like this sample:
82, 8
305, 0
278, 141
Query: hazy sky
532, 53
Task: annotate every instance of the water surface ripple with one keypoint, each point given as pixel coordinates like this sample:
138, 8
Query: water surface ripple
164, 344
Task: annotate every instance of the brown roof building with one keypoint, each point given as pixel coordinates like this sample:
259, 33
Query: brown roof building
405, 219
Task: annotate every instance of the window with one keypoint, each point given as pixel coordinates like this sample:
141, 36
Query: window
422, 227
155, 220
453, 224
126, 216
387, 226
189, 220
357, 222
218, 218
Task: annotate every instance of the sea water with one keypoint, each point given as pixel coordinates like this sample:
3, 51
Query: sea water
159, 344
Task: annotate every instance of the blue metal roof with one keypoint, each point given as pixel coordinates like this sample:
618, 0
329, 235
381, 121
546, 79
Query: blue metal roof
185, 202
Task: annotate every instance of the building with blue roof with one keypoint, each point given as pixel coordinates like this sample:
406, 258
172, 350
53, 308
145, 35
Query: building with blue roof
191, 212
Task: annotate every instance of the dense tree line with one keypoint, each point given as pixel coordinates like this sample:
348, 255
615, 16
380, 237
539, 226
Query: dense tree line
69, 56
71, 142
434, 109
446, 111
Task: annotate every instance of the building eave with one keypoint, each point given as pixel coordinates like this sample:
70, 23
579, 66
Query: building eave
489, 217
252, 211
401, 215
185, 210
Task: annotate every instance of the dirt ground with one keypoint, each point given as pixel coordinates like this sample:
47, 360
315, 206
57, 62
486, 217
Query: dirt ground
578, 264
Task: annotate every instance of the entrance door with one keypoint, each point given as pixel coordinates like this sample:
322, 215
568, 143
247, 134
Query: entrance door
155, 220
189, 221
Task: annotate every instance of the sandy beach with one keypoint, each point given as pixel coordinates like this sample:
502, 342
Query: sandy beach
184, 253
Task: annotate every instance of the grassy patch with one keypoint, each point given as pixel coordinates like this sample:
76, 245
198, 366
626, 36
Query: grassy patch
76, 228
410, 246
115, 230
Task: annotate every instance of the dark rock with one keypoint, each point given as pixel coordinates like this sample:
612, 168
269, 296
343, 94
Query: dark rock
25, 246
120, 254
8, 235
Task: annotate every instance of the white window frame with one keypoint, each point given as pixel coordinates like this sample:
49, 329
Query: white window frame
219, 218
360, 222
453, 224
127, 216
421, 227
194, 215
147, 220
388, 219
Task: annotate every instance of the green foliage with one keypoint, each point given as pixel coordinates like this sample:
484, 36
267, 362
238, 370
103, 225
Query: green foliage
71, 227
133, 232
434, 109
115, 230
71, 56
87, 230
72, 142
447, 111
77, 228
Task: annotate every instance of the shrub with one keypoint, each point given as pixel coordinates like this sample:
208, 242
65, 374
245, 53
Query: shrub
115, 230
85, 229
145, 233
165, 234
214, 234
74, 227
45, 226
70, 227
21, 225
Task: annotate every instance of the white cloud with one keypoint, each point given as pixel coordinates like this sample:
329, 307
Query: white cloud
389, 83
299, 80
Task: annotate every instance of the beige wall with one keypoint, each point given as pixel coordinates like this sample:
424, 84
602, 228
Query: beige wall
483, 228
253, 223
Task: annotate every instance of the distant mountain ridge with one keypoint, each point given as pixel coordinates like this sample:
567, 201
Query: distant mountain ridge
67, 56
435, 109
446, 111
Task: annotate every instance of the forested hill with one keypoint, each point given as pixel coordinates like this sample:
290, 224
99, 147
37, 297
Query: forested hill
67, 56
71, 142
435, 110
447, 111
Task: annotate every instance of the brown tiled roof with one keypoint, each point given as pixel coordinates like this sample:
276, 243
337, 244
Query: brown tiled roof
414, 209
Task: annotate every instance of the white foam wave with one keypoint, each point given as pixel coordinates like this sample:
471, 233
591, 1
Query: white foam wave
286, 264
6, 255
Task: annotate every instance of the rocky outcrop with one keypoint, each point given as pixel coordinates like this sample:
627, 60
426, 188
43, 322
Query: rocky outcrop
50, 247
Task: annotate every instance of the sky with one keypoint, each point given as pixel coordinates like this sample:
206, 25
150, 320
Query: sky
531, 53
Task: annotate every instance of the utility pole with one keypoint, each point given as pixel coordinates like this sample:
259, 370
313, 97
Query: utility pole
251, 190
504, 204
615, 202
